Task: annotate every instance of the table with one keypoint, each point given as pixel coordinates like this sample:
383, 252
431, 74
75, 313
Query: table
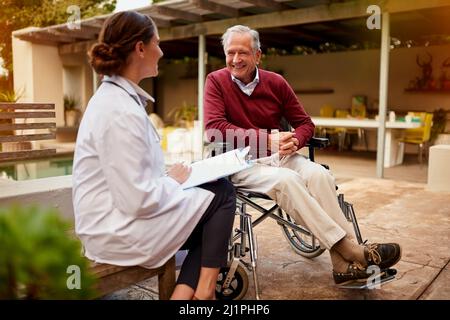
393, 152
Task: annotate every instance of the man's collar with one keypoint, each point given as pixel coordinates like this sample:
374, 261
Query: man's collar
255, 80
130, 87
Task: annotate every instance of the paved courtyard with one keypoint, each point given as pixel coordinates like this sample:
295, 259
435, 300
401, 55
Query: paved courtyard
387, 210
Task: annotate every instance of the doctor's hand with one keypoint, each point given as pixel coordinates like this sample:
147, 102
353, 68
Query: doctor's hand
179, 172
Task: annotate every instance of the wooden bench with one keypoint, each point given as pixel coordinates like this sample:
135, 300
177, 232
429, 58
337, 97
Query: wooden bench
111, 278
16, 145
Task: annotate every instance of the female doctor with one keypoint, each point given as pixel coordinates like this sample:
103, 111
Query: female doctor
127, 211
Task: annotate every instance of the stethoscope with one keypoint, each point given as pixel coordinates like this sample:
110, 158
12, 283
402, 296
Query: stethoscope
140, 105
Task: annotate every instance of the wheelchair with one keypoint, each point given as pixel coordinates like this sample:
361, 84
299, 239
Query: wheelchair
233, 282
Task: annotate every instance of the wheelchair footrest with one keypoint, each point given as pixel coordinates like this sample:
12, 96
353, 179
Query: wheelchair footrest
373, 282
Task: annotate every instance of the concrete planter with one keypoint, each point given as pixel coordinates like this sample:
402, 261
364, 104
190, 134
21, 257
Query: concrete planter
72, 118
442, 138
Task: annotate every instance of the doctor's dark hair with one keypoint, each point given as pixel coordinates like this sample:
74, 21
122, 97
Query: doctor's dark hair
117, 40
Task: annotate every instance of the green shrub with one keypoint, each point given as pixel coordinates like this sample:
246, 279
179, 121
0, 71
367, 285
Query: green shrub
36, 253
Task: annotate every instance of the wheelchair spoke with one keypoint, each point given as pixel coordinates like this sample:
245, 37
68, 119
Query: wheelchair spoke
304, 243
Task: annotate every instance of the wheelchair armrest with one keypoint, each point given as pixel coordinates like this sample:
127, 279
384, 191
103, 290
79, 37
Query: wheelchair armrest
319, 143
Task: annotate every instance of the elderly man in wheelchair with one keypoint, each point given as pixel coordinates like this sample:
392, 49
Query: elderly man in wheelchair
246, 105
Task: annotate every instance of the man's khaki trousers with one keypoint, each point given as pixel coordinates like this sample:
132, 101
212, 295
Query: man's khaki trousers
303, 189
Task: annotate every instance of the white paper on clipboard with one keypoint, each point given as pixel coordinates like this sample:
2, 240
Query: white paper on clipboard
217, 167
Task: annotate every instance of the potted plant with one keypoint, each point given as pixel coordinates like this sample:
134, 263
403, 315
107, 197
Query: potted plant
185, 115
38, 259
439, 124
71, 112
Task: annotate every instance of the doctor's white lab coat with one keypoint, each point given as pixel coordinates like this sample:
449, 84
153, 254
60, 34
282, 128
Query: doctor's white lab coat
127, 212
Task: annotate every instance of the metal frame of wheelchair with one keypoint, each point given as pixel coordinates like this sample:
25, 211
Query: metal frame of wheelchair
232, 283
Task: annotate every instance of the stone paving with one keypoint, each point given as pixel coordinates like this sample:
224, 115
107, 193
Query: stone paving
387, 210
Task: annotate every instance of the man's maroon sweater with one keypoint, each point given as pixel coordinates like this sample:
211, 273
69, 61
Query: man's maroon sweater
226, 107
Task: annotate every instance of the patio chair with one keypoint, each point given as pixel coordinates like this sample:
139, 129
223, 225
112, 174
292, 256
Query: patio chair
341, 132
326, 111
344, 133
359, 111
419, 136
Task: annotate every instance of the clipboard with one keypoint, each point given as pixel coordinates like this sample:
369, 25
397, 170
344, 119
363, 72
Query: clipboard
217, 167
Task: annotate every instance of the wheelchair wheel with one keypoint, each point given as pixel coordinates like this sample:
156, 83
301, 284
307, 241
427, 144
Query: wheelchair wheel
237, 288
305, 245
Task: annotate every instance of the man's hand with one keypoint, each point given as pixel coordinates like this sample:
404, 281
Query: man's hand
283, 142
179, 172
277, 139
289, 147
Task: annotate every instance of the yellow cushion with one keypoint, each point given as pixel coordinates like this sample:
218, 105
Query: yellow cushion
166, 132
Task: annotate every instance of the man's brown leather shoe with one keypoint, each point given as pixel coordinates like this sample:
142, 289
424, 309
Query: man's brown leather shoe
355, 272
384, 255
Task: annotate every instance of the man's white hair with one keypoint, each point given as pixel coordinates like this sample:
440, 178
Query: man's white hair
242, 29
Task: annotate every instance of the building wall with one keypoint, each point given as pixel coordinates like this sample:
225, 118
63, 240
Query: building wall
23, 83
175, 89
347, 73
78, 79
404, 69
38, 74
357, 72
48, 78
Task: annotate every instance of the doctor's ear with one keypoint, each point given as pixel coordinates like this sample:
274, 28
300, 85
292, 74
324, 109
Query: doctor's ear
139, 47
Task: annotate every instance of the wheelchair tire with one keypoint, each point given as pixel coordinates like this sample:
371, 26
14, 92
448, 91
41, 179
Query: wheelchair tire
300, 243
238, 286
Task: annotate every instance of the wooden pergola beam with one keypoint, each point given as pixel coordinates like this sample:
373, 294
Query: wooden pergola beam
38, 40
349, 34
81, 34
216, 8
90, 29
302, 33
271, 41
162, 23
269, 4
322, 13
84, 46
42, 37
76, 47
96, 23
172, 13
269, 20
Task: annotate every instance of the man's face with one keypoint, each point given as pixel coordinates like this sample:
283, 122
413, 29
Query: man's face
240, 58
